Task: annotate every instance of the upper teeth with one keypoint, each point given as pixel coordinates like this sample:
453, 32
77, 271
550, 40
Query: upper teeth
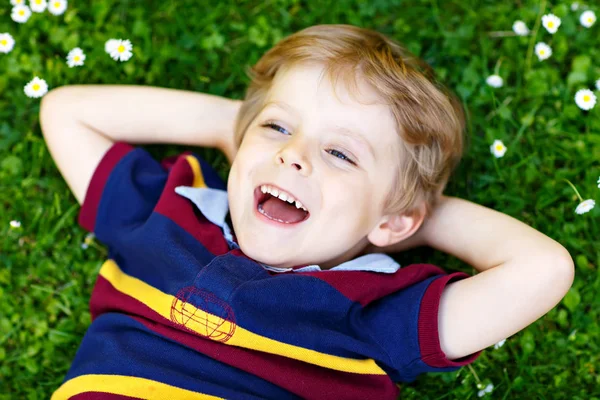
282, 195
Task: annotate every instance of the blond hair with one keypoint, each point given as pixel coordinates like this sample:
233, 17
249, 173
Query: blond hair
429, 118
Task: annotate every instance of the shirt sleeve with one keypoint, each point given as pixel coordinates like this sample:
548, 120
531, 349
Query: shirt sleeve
122, 193
405, 325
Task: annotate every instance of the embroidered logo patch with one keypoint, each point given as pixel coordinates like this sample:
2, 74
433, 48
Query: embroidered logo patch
203, 313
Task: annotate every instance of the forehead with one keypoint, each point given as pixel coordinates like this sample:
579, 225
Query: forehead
306, 93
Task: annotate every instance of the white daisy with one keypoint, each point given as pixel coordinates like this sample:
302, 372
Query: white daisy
551, 22
20, 13
121, 50
494, 81
15, 224
543, 51
598, 182
6, 42
585, 206
57, 7
520, 28
17, 2
488, 389
75, 57
575, 6
36, 88
38, 6
89, 238
498, 149
499, 344
585, 99
598, 84
588, 18
110, 45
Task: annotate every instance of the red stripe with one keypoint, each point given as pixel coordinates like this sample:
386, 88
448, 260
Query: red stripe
429, 339
365, 287
100, 396
89, 209
303, 379
181, 210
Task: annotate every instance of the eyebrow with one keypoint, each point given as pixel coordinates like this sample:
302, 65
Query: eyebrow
356, 136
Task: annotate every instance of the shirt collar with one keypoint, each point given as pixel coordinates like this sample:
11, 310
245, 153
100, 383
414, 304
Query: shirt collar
214, 205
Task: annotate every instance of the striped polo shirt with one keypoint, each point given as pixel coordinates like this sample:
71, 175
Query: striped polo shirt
180, 312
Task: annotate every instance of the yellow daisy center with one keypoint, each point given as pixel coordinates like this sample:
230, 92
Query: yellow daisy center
542, 52
590, 19
76, 58
56, 4
21, 12
121, 48
38, 1
550, 24
18, 1
3, 42
36, 86
586, 98
498, 147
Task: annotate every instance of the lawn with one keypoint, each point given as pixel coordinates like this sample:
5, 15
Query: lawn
551, 164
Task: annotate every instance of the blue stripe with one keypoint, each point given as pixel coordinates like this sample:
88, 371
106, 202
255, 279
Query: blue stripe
117, 344
210, 175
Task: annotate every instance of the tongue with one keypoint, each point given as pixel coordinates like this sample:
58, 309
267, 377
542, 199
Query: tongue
282, 210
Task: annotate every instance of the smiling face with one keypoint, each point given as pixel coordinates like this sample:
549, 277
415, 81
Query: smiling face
335, 155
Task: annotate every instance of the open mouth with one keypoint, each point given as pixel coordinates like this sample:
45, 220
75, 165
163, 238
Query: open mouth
278, 210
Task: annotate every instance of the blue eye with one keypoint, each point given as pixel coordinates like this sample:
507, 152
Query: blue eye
333, 152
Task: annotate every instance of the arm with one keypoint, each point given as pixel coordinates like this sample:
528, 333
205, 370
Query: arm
523, 275
81, 122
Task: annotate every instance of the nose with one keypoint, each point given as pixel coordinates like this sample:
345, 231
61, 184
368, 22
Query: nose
294, 153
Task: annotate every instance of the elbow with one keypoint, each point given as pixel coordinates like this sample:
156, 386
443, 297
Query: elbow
564, 270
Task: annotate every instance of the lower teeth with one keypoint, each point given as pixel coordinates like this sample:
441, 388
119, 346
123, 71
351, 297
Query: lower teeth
260, 210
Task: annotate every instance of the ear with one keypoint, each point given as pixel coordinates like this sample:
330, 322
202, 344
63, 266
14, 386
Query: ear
394, 228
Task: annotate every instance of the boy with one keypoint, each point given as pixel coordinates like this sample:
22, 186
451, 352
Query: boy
278, 287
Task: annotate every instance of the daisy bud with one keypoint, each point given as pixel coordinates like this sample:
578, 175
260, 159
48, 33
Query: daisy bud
520, 28
494, 81
585, 206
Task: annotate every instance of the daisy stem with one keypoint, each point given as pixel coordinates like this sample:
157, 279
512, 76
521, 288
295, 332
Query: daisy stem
566, 180
497, 168
474, 373
538, 21
497, 68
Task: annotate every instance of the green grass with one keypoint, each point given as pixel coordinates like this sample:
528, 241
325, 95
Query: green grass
46, 277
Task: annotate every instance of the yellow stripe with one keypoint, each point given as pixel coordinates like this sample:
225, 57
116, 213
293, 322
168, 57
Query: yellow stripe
198, 178
161, 303
139, 388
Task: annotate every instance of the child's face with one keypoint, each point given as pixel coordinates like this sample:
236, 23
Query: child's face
302, 155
